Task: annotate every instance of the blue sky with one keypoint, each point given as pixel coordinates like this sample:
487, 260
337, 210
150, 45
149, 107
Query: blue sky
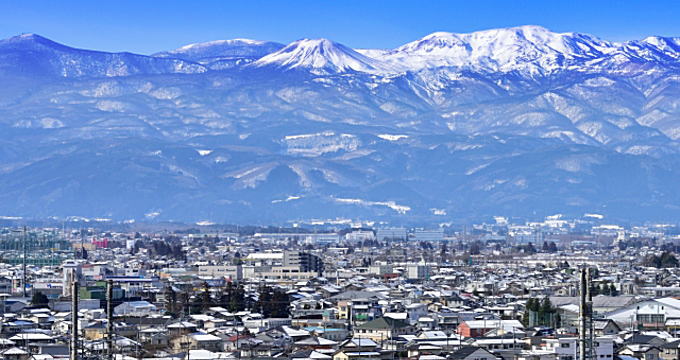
151, 26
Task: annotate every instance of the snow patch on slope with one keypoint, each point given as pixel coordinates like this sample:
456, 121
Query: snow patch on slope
391, 137
401, 209
320, 143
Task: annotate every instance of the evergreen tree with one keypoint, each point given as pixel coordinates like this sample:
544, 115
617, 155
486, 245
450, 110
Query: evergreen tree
604, 289
203, 301
233, 297
273, 302
39, 299
544, 313
263, 304
183, 303
530, 249
528, 308
666, 260
613, 291
475, 248
281, 304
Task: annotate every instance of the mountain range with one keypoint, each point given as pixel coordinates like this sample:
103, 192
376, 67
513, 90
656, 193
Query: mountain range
452, 127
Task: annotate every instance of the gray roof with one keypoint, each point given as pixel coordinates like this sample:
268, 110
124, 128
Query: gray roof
354, 294
598, 301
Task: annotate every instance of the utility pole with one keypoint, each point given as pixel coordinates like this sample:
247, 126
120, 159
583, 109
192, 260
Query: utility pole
238, 351
74, 319
109, 315
591, 334
82, 244
582, 315
23, 264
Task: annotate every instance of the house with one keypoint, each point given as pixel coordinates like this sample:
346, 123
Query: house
196, 341
472, 353
415, 311
643, 339
344, 355
180, 328
432, 343
24, 339
477, 328
14, 353
309, 354
383, 328
95, 331
670, 350
642, 352
605, 327
357, 349
358, 345
154, 338
500, 343
315, 343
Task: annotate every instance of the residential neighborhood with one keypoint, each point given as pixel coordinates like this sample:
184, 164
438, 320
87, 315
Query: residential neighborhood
496, 291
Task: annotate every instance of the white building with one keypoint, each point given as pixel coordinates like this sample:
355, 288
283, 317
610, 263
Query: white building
567, 348
71, 271
360, 235
417, 271
231, 272
428, 235
392, 234
646, 314
136, 308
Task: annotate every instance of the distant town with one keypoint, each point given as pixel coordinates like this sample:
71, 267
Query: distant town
558, 289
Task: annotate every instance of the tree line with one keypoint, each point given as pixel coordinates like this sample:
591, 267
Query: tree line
270, 302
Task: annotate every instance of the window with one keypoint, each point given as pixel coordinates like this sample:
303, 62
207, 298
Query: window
650, 318
565, 345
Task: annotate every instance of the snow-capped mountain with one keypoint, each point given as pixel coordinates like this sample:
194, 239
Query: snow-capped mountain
320, 56
215, 54
32, 54
531, 50
516, 121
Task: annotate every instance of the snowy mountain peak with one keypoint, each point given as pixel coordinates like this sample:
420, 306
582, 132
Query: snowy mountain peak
533, 32
665, 44
30, 39
321, 56
26, 36
529, 49
220, 42
220, 49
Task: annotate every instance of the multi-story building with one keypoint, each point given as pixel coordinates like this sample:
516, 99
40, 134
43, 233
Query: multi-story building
231, 272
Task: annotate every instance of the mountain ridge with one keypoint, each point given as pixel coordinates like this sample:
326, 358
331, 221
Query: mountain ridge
446, 47
315, 130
